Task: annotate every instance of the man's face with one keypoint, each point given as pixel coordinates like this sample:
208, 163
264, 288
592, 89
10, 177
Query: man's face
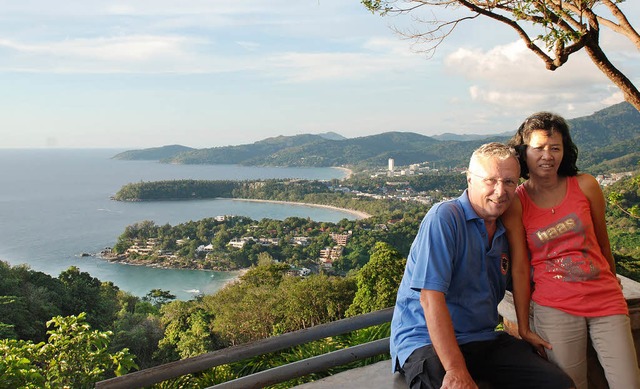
491, 186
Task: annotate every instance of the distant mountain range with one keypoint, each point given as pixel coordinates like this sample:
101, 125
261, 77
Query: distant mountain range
466, 137
608, 140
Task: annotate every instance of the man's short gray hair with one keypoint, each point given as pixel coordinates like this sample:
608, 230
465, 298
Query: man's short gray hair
495, 150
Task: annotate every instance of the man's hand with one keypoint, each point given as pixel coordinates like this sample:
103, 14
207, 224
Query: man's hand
458, 379
539, 344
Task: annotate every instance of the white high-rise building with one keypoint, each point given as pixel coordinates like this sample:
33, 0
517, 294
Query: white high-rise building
391, 164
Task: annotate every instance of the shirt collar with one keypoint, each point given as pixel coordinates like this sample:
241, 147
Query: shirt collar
470, 213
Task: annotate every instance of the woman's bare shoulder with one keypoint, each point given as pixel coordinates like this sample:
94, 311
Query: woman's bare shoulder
588, 184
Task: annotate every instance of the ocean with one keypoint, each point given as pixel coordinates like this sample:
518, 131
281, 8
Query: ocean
55, 205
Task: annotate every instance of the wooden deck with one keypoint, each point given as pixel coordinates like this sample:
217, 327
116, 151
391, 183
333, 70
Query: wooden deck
376, 376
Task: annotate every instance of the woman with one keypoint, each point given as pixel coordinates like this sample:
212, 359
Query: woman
556, 226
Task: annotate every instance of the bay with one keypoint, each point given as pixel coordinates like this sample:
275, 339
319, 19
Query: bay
55, 205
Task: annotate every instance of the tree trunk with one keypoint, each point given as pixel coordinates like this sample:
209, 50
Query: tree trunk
630, 92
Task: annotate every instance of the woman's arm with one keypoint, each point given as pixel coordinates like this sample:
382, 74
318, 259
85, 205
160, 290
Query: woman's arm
521, 274
591, 189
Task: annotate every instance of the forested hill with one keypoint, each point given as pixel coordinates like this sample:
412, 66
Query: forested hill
153, 154
608, 140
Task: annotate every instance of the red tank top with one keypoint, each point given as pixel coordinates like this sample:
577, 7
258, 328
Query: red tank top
569, 270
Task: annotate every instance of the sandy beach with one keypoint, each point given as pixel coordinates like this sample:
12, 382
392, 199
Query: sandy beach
349, 172
357, 214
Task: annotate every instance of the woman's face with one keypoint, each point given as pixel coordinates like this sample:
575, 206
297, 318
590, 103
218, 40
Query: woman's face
544, 153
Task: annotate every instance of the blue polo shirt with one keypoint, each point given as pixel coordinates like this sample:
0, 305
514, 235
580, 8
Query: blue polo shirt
451, 254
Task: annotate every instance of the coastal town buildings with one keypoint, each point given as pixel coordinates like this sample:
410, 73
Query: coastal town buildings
329, 255
341, 239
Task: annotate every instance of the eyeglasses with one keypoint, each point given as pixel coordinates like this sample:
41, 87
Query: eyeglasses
492, 182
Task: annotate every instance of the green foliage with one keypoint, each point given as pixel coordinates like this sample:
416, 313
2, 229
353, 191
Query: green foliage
16, 367
88, 294
138, 328
264, 302
378, 280
403, 218
158, 297
73, 357
269, 274
379, 6
628, 266
187, 331
30, 299
245, 312
152, 154
312, 300
6, 330
177, 189
36, 297
623, 224
78, 356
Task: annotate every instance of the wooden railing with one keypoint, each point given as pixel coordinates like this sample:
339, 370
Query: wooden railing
317, 364
322, 363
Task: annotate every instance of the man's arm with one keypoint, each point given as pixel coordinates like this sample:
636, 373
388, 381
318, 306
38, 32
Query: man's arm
444, 341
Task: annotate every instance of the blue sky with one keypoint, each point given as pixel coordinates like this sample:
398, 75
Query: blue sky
148, 73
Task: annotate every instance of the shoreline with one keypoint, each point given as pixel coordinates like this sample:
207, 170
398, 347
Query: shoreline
240, 272
348, 171
357, 214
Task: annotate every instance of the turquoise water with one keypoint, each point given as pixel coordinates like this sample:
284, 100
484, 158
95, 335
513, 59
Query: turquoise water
55, 205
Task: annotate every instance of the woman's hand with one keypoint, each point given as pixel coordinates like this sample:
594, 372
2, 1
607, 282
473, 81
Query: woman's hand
539, 344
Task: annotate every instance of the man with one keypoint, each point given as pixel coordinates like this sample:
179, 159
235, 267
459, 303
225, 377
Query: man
443, 328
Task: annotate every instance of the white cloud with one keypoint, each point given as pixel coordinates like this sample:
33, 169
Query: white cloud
375, 57
514, 65
127, 48
120, 54
139, 7
615, 98
512, 77
194, 37
183, 54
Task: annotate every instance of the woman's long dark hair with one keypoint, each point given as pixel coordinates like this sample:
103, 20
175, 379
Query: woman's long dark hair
550, 123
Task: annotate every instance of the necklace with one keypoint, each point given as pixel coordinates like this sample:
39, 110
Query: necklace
552, 198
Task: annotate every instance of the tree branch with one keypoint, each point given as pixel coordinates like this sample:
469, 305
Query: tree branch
568, 26
550, 63
624, 27
598, 57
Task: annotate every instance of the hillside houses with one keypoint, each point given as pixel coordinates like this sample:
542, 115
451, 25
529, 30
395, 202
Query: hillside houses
143, 248
329, 255
608, 179
240, 242
341, 239
301, 240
